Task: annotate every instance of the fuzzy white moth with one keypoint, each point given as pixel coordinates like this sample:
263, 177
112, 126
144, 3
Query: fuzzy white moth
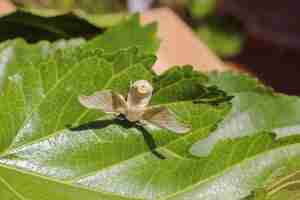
136, 108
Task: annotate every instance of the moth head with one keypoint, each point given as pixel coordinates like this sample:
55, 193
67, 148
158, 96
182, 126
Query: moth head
142, 87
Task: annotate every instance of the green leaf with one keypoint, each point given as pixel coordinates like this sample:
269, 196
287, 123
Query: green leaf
222, 36
113, 161
281, 187
104, 20
202, 8
34, 28
53, 7
39, 89
233, 82
16, 184
34, 22
255, 108
183, 84
261, 158
128, 34
251, 113
177, 177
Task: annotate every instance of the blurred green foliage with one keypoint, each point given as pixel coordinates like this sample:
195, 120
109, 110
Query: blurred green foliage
34, 28
36, 20
102, 14
223, 38
201, 8
91, 6
222, 34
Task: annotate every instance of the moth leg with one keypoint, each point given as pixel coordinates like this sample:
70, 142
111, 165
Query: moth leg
120, 116
141, 123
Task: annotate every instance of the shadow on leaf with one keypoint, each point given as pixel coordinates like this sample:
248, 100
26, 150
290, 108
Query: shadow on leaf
121, 121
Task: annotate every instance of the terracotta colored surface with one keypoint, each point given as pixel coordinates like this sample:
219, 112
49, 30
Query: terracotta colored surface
179, 46
5, 7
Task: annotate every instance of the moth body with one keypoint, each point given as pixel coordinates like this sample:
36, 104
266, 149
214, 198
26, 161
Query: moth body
134, 114
138, 99
140, 94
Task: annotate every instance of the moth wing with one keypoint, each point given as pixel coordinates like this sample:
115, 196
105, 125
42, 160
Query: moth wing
106, 101
164, 118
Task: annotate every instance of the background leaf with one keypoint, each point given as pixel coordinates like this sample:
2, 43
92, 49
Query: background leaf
222, 35
92, 6
53, 20
34, 28
128, 34
202, 8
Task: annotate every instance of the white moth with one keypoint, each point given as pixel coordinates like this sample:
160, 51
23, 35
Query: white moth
136, 108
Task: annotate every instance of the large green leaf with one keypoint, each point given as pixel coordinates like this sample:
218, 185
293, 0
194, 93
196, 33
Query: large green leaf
101, 158
245, 165
39, 89
254, 109
34, 134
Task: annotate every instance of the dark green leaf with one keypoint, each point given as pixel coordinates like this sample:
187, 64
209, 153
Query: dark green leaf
186, 84
35, 21
34, 28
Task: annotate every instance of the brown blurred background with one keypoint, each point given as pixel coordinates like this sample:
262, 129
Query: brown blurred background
272, 48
